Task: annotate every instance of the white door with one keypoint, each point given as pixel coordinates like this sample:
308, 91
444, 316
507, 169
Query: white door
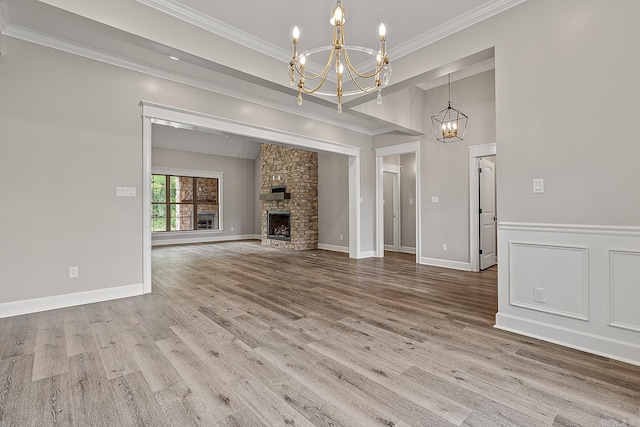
487, 180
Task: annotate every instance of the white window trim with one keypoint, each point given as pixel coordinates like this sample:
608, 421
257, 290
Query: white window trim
196, 174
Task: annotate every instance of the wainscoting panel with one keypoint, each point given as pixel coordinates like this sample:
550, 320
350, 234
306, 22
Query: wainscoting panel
574, 285
559, 274
624, 282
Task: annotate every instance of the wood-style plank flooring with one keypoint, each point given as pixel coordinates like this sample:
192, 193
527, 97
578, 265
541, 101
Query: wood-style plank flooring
238, 334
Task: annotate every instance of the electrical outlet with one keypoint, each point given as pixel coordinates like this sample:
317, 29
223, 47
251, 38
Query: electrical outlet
73, 272
434, 199
444, 247
341, 237
538, 295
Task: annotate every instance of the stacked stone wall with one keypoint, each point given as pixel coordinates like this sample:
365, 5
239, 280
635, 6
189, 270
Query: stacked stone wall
298, 171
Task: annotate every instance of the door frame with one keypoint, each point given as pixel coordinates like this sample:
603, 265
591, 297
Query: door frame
395, 171
407, 148
153, 113
476, 152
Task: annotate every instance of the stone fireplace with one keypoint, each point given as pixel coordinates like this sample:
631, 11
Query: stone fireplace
289, 197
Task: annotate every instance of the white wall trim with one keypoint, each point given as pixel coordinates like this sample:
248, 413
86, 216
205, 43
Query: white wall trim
218, 27
476, 152
334, 248
459, 23
564, 272
4, 17
572, 228
409, 147
35, 305
94, 54
146, 204
391, 168
163, 114
354, 207
626, 351
390, 150
584, 252
365, 254
200, 238
612, 291
407, 249
456, 265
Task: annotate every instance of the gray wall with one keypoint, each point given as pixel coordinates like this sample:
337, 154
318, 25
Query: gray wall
408, 201
387, 197
333, 199
71, 133
445, 167
239, 192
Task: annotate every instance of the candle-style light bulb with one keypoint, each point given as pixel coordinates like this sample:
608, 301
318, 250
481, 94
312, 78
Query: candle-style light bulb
337, 16
303, 60
296, 33
383, 31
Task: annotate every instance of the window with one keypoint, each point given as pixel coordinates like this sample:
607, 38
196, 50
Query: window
185, 203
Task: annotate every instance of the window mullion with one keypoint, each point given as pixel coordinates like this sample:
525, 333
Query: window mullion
195, 203
167, 199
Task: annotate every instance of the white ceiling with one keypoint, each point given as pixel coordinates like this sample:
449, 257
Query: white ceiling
242, 47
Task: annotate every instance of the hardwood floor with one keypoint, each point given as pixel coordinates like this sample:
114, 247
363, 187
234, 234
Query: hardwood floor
237, 334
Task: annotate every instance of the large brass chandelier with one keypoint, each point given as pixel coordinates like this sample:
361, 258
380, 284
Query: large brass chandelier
377, 75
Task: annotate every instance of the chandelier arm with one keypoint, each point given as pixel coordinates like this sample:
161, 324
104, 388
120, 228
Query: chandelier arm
311, 91
363, 89
351, 68
322, 73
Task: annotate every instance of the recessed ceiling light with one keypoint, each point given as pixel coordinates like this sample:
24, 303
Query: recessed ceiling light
174, 58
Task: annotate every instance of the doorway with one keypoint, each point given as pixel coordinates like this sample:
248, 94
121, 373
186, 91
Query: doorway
476, 153
391, 202
153, 113
411, 148
487, 215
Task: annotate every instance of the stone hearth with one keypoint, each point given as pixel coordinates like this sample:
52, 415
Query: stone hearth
297, 171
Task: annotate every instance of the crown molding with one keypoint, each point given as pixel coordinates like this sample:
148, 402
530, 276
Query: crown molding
448, 28
215, 26
47, 40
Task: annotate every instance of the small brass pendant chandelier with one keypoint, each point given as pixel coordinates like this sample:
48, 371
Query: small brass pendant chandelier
449, 124
339, 55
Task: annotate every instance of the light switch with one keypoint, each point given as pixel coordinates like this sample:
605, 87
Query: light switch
410, 201
538, 185
434, 199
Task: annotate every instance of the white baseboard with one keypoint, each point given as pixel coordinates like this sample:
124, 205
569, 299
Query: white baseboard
456, 265
200, 239
366, 254
403, 249
335, 248
625, 351
16, 308
407, 249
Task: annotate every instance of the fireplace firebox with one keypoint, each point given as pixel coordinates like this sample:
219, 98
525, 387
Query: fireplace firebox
279, 225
